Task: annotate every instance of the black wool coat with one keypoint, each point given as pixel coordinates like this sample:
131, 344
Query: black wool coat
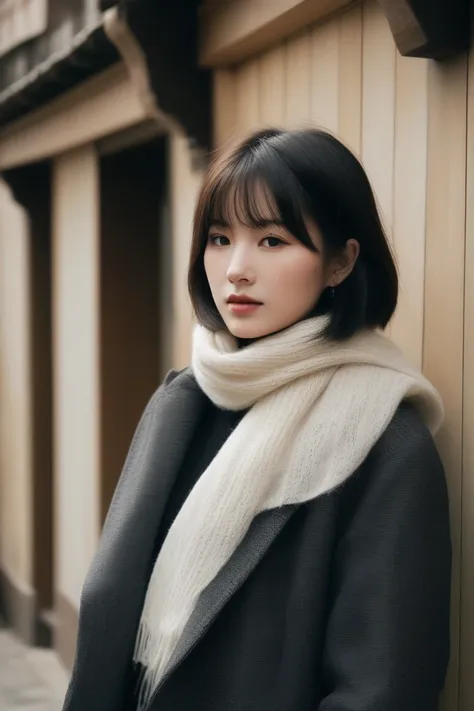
338, 604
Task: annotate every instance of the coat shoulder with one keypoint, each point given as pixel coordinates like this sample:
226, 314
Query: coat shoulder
185, 375
406, 441
403, 463
171, 375
172, 380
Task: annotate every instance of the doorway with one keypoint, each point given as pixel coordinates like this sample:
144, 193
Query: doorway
133, 202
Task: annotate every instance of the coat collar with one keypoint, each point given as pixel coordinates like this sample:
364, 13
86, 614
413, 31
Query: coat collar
125, 557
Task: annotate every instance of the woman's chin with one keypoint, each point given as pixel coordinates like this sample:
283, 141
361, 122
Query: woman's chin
245, 330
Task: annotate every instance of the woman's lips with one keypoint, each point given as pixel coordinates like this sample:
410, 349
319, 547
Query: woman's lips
243, 308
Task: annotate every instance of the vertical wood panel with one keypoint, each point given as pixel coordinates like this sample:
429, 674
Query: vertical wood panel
248, 97
273, 87
411, 118
325, 75
378, 110
350, 79
224, 106
185, 180
16, 455
76, 306
298, 81
467, 596
444, 296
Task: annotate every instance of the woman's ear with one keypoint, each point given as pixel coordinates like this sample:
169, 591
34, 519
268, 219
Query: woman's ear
343, 264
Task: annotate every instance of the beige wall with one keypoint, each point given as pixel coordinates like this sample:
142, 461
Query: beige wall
185, 178
15, 395
406, 119
76, 365
443, 332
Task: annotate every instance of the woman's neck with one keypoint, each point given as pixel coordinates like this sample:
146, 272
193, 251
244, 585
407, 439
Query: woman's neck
244, 342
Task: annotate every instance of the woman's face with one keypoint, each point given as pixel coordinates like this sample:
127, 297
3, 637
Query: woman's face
264, 280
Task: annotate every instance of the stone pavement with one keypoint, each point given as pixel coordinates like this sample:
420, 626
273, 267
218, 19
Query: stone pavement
31, 679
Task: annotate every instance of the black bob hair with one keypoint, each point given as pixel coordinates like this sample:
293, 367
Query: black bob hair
305, 174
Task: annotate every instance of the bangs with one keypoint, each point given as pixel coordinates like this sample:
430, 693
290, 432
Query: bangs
257, 188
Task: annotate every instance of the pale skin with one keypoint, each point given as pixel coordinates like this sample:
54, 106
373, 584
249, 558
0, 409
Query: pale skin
272, 267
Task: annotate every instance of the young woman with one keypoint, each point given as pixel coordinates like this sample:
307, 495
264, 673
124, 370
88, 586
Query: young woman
279, 538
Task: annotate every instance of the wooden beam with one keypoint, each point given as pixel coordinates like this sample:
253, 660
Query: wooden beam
103, 105
167, 33
435, 29
232, 30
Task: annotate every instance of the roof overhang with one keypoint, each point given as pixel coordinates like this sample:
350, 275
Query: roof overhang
101, 107
88, 53
167, 33
233, 30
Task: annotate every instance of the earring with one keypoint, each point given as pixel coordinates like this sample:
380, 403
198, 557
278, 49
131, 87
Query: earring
332, 292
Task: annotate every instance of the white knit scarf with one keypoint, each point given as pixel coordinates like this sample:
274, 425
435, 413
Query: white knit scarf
317, 408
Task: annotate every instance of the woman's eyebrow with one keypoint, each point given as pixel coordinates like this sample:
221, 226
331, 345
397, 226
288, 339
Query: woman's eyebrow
220, 223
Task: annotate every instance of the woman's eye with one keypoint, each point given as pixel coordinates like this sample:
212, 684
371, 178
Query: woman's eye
273, 241
219, 240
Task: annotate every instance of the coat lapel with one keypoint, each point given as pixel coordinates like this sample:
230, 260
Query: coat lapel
263, 531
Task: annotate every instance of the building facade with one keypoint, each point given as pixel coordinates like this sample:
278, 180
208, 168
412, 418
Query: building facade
96, 205
99, 182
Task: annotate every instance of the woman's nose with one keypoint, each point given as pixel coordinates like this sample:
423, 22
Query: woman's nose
240, 270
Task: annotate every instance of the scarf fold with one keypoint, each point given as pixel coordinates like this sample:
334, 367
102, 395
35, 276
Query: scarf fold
316, 410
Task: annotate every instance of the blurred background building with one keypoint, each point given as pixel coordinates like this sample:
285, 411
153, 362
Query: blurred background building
107, 114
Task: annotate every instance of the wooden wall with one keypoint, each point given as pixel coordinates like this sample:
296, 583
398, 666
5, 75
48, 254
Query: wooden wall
76, 359
407, 121
16, 451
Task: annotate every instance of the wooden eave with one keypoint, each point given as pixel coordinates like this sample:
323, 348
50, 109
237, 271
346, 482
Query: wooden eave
233, 30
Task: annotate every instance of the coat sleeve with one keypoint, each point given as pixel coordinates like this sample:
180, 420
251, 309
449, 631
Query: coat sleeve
387, 636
